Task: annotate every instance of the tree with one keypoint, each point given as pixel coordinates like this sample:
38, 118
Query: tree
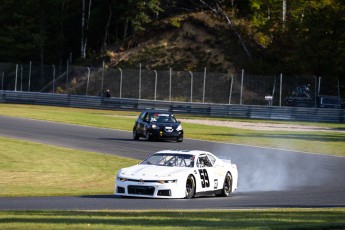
85, 18
217, 9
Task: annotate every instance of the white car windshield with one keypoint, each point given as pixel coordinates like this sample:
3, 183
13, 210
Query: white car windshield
169, 159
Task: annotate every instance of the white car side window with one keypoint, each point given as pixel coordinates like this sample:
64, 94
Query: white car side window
203, 161
212, 159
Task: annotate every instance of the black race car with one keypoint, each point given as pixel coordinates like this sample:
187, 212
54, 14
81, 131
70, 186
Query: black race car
157, 125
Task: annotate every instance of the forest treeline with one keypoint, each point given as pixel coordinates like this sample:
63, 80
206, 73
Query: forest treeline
295, 37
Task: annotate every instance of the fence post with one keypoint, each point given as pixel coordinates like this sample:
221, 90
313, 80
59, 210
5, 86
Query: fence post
120, 82
191, 86
281, 89
29, 76
270, 103
155, 84
53, 79
15, 82
315, 96
102, 86
169, 84
21, 77
230, 93
242, 75
339, 94
67, 67
88, 80
140, 81
203, 91
2, 81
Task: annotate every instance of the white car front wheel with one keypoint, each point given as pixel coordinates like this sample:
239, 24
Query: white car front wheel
190, 187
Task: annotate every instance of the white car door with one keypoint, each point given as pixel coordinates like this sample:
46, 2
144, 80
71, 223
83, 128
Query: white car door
206, 181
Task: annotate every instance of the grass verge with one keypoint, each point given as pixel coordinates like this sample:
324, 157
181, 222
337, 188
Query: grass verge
229, 219
331, 143
32, 169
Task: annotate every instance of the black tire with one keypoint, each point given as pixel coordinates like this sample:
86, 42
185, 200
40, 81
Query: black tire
179, 139
135, 135
148, 137
227, 187
190, 187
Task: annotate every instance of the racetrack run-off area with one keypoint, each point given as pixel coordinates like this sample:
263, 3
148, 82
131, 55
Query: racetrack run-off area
267, 177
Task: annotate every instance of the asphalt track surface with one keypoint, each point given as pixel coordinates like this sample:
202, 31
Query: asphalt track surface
268, 178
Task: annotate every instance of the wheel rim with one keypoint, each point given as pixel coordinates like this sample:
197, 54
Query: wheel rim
227, 184
189, 186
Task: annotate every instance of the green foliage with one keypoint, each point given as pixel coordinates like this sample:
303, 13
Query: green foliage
176, 22
311, 39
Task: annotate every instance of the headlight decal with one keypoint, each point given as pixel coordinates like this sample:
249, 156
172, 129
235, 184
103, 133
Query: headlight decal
166, 181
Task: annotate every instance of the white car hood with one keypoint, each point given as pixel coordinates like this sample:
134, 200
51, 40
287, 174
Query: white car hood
152, 172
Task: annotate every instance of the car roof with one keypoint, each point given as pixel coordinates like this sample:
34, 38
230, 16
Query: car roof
157, 111
192, 152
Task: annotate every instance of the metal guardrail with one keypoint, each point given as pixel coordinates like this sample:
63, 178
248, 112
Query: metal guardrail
204, 109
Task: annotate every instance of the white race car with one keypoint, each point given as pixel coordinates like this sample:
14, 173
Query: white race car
178, 174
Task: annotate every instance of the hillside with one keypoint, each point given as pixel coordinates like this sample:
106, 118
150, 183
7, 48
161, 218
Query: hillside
185, 42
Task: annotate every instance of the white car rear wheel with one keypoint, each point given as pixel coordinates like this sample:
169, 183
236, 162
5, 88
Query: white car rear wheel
227, 187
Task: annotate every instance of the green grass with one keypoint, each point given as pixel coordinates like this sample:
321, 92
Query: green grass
31, 169
332, 143
209, 219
